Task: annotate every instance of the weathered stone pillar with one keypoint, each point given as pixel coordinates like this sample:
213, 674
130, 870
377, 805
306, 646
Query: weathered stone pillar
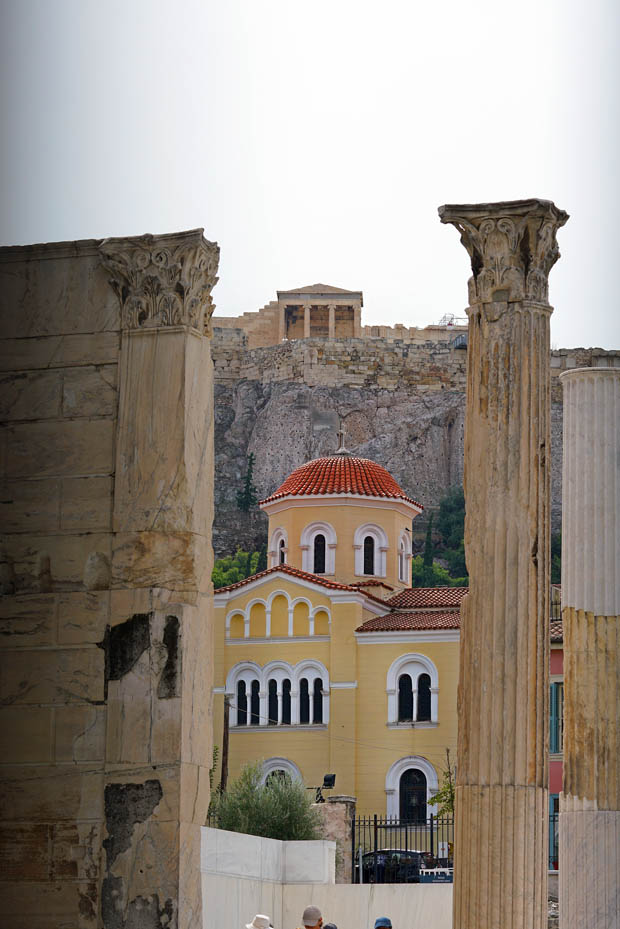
332, 320
281, 323
306, 321
158, 648
590, 802
502, 771
357, 322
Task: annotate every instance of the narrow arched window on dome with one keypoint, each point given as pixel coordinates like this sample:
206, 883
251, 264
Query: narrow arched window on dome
282, 547
319, 553
424, 698
369, 555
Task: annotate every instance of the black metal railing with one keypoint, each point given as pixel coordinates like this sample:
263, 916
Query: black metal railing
396, 851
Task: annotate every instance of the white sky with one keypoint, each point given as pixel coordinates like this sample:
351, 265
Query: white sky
315, 141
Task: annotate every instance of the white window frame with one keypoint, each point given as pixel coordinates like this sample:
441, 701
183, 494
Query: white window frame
278, 535
307, 547
281, 764
404, 558
392, 783
381, 548
414, 665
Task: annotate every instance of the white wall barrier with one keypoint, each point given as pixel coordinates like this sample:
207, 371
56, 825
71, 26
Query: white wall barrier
244, 874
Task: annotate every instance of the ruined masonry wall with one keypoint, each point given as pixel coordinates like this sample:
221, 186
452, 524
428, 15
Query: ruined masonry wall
106, 467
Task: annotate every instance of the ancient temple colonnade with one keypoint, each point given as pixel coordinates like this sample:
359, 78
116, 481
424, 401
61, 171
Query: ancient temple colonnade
501, 827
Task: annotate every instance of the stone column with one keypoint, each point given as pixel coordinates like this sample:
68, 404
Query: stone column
158, 646
307, 321
332, 320
281, 323
501, 823
357, 322
590, 802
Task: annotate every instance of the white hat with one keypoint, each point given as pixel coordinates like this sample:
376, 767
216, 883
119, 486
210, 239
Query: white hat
259, 922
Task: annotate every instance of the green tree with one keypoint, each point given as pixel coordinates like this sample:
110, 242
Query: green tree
248, 497
428, 545
280, 809
451, 518
233, 568
433, 576
444, 797
261, 564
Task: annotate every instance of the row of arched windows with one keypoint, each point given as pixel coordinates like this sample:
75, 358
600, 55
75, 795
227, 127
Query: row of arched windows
278, 616
318, 545
414, 703
279, 694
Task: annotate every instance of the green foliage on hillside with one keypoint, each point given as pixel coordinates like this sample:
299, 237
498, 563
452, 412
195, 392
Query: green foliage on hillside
556, 558
237, 567
280, 809
248, 497
426, 572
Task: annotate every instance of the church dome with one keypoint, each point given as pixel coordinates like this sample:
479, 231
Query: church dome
341, 474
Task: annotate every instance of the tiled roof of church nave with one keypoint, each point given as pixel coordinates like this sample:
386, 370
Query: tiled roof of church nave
341, 474
301, 575
406, 622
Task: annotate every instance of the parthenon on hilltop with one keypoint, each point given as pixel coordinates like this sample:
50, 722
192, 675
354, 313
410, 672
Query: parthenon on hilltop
322, 311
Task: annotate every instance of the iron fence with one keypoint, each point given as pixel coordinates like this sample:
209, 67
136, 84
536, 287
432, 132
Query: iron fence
395, 851
554, 841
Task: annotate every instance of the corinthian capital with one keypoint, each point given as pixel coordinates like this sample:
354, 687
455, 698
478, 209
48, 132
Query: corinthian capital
163, 280
512, 247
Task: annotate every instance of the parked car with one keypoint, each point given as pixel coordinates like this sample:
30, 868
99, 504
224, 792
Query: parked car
394, 866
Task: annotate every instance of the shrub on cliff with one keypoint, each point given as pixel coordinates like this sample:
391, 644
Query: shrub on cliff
279, 809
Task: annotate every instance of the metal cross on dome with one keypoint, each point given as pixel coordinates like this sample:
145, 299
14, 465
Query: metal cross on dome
341, 450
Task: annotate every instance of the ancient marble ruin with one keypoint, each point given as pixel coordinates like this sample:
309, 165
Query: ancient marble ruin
501, 822
590, 802
105, 567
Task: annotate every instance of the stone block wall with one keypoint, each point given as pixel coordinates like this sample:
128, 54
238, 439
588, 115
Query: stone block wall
105, 561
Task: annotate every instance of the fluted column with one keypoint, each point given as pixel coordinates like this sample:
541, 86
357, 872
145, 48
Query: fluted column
590, 802
502, 769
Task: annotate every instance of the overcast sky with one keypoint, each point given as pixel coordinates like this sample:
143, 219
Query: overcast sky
315, 140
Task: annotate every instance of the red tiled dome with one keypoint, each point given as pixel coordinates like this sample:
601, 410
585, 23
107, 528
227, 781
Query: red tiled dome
341, 474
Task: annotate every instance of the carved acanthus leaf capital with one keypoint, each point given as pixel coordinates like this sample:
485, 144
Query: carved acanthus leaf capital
163, 280
512, 247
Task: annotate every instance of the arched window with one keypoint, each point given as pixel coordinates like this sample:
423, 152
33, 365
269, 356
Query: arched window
424, 698
286, 702
242, 704
309, 542
416, 701
279, 767
371, 545
278, 548
319, 554
282, 551
412, 796
404, 557
369, 555
304, 702
277, 776
317, 701
255, 704
272, 708
405, 698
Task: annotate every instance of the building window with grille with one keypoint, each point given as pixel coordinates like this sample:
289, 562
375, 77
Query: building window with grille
556, 729
412, 796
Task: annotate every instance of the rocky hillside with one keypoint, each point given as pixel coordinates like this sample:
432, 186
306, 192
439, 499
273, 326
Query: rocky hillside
417, 435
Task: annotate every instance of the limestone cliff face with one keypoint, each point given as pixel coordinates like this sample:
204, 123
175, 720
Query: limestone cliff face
401, 405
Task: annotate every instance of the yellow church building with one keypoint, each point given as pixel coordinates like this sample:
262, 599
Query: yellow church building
329, 660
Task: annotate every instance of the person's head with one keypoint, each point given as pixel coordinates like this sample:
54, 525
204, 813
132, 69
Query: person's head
259, 922
312, 917
330, 926
383, 922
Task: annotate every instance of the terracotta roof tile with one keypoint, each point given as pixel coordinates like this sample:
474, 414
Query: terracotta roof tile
341, 474
302, 575
419, 597
404, 622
